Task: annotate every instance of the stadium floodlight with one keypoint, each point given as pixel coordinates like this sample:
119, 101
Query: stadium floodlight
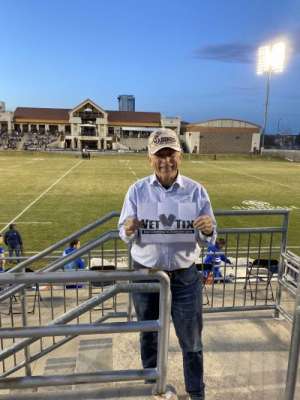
271, 59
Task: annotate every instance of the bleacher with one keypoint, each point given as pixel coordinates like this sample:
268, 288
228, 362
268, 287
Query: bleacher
40, 140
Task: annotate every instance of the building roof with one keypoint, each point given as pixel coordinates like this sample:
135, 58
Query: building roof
33, 114
41, 114
134, 117
222, 131
225, 123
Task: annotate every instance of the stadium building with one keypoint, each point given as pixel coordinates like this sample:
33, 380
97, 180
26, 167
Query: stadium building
221, 136
86, 125
6, 118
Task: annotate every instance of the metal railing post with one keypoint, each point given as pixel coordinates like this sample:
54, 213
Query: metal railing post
130, 308
24, 321
283, 247
163, 334
291, 379
294, 353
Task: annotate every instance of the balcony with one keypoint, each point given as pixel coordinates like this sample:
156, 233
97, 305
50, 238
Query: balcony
88, 115
88, 130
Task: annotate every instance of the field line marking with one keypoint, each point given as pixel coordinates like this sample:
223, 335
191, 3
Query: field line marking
130, 169
29, 222
41, 195
254, 176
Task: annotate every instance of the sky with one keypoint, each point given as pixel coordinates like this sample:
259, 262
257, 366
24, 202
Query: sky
195, 59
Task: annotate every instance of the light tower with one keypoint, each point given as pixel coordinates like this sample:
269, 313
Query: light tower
271, 59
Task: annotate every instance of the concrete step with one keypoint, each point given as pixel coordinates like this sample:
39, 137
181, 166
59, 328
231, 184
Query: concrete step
245, 358
105, 354
94, 353
131, 391
59, 366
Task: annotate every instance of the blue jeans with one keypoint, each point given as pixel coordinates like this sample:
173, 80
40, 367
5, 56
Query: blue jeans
16, 250
186, 311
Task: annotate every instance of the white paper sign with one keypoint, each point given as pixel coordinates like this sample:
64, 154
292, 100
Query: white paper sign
167, 222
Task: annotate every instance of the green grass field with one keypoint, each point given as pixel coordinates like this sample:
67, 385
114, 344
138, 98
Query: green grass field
55, 194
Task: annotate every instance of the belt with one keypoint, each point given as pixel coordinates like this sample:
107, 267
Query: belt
138, 266
176, 271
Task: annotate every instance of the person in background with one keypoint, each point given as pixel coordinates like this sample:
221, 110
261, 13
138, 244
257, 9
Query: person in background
85, 153
215, 257
2, 254
76, 264
14, 242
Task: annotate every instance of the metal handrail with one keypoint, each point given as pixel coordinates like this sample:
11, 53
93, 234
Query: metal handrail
113, 214
67, 239
294, 353
60, 343
282, 283
57, 264
15, 288
56, 328
53, 266
281, 211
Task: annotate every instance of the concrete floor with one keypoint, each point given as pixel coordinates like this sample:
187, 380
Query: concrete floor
246, 357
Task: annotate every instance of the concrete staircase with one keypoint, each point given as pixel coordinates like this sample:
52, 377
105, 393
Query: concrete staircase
91, 354
245, 358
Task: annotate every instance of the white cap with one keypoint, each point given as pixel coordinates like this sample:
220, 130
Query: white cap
162, 138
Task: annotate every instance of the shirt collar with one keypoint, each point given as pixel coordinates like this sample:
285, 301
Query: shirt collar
178, 182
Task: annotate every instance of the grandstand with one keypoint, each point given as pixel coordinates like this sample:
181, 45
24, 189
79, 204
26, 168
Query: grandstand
89, 125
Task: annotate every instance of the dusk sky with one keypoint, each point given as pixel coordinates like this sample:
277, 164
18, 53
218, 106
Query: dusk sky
195, 59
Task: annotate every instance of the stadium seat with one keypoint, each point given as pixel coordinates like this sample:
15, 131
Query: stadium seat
259, 274
102, 268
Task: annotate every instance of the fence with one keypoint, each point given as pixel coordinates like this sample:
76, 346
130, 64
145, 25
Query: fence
289, 307
58, 326
250, 282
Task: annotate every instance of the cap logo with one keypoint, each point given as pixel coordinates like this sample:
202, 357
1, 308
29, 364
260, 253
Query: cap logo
163, 140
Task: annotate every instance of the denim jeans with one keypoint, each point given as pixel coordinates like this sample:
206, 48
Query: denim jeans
16, 250
186, 311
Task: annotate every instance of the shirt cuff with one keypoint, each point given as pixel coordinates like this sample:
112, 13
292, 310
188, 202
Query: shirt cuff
208, 239
126, 238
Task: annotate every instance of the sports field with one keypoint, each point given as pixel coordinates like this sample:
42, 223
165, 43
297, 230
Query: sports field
50, 196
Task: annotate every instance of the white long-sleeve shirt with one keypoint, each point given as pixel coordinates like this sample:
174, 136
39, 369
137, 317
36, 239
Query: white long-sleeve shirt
148, 192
